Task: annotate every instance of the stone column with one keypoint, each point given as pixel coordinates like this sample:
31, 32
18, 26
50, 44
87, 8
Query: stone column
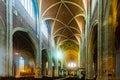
82, 54
56, 69
82, 57
43, 69
56, 61
109, 36
88, 55
37, 71
39, 55
50, 66
62, 72
66, 72
39, 49
9, 46
99, 42
90, 71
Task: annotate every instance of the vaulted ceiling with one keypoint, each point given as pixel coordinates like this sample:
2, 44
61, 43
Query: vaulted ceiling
66, 18
67, 23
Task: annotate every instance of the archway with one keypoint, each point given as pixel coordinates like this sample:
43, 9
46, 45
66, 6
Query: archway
24, 55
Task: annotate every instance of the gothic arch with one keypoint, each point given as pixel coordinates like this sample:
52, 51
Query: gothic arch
31, 35
25, 46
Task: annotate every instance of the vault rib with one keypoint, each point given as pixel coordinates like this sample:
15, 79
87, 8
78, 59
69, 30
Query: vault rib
61, 23
74, 35
67, 28
50, 8
61, 35
75, 4
75, 17
55, 17
76, 42
69, 11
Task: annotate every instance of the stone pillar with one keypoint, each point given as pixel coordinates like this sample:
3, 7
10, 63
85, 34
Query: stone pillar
62, 73
66, 72
56, 71
56, 68
50, 66
43, 68
89, 66
56, 61
38, 66
79, 73
39, 34
109, 36
88, 58
9, 46
39, 57
82, 57
39, 49
37, 71
99, 41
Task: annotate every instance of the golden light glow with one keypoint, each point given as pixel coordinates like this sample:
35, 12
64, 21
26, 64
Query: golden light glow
70, 57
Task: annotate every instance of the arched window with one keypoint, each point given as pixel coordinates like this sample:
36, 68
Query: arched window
28, 5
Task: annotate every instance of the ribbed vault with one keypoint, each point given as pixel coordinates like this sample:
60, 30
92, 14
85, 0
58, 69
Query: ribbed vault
67, 22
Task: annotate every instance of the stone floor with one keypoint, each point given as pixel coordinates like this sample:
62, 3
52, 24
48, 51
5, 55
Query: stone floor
43, 78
